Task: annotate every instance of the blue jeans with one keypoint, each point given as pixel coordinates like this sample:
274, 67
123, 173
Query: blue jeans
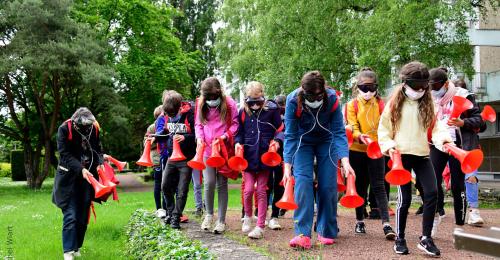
304, 192
197, 187
472, 190
75, 216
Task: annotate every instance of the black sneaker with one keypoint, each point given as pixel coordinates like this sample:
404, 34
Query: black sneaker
427, 245
400, 247
441, 212
360, 228
175, 223
420, 211
374, 214
389, 233
167, 220
198, 213
282, 212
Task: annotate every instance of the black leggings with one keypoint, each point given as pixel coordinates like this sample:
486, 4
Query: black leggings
439, 160
369, 172
424, 171
371, 195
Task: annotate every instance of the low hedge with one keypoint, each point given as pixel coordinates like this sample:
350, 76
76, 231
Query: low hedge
149, 239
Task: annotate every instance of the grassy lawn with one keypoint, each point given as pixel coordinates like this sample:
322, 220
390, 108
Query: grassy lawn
34, 224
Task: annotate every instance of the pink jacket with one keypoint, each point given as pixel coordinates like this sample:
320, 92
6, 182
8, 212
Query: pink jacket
215, 127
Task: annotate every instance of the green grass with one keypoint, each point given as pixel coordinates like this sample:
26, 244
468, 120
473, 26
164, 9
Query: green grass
35, 223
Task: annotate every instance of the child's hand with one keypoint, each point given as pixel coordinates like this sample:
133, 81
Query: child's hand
456, 122
347, 167
179, 138
287, 173
199, 142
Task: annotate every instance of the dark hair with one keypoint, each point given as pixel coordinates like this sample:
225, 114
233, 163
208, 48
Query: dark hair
280, 100
438, 74
83, 117
461, 83
312, 80
417, 71
209, 85
171, 101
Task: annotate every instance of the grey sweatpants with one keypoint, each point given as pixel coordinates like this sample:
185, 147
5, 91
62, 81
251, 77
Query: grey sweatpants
210, 179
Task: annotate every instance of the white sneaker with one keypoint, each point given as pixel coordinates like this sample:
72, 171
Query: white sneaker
255, 219
77, 253
161, 213
246, 226
207, 222
437, 221
256, 233
219, 228
274, 224
474, 218
69, 255
266, 222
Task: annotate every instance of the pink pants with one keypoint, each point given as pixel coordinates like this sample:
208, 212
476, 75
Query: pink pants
261, 179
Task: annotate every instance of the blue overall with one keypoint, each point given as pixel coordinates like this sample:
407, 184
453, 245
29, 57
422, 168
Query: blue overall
305, 140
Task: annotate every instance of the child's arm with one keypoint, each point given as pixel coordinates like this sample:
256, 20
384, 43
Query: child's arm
198, 125
385, 132
240, 136
352, 120
440, 135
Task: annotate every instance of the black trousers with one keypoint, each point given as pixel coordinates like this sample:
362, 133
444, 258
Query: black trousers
424, 172
439, 160
274, 188
157, 176
370, 172
75, 216
371, 195
176, 178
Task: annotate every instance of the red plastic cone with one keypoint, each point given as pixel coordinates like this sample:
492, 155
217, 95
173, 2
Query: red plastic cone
271, 157
119, 165
348, 133
470, 160
372, 149
460, 104
237, 162
146, 156
197, 162
489, 114
287, 201
397, 175
351, 199
177, 154
215, 160
100, 190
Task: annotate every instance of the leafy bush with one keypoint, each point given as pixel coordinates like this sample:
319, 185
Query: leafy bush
149, 239
5, 170
17, 165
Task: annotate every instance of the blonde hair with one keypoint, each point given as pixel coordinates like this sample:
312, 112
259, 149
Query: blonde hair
208, 85
158, 111
253, 89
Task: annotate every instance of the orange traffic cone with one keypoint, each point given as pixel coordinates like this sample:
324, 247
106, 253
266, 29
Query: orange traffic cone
177, 154
100, 190
119, 165
287, 201
373, 149
271, 157
104, 178
215, 160
470, 160
348, 133
237, 162
489, 114
460, 104
197, 162
340, 180
397, 175
146, 156
351, 199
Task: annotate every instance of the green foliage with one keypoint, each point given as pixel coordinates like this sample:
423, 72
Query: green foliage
277, 41
148, 239
5, 170
17, 165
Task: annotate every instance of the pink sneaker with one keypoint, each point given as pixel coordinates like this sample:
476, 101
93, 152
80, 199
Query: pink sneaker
325, 241
301, 241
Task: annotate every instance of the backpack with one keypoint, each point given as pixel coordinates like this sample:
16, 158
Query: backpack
70, 128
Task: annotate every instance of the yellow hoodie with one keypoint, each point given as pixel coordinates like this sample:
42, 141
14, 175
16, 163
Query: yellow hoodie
411, 138
364, 122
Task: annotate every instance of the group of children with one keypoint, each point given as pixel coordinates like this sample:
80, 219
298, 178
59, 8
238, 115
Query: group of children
309, 130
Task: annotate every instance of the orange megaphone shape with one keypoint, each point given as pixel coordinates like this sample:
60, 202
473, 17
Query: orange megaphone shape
460, 104
348, 133
271, 157
177, 154
237, 162
104, 178
351, 199
119, 165
99, 189
197, 162
146, 155
215, 160
372, 149
470, 160
489, 114
340, 181
287, 201
397, 175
